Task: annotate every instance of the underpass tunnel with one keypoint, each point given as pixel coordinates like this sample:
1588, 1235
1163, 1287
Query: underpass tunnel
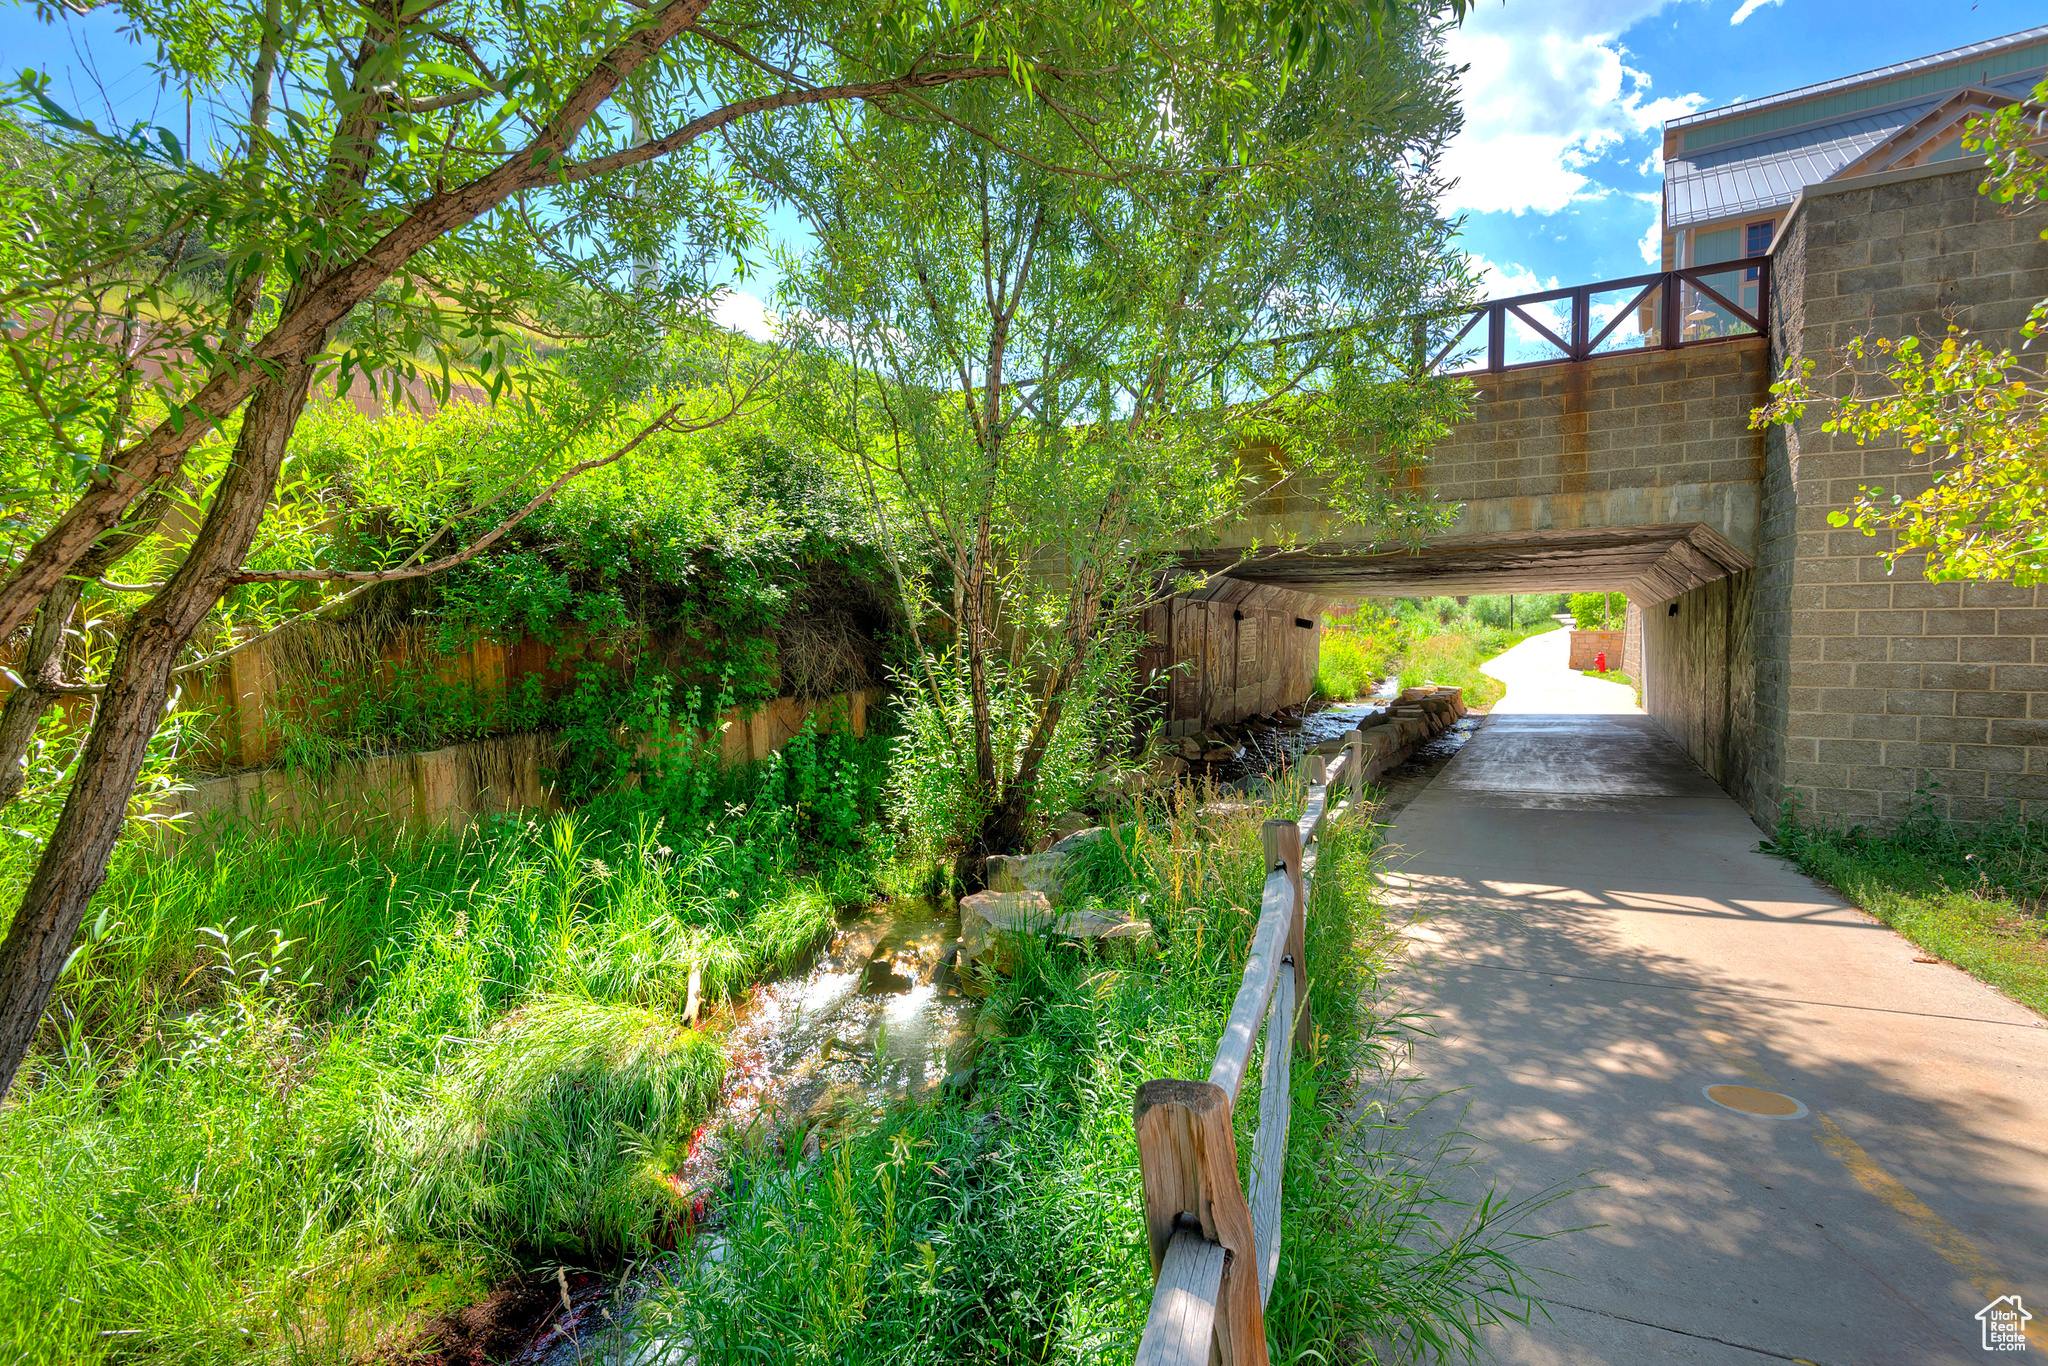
1247, 642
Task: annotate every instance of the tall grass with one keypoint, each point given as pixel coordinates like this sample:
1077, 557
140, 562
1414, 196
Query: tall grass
297, 1091
1975, 895
1351, 663
1008, 1227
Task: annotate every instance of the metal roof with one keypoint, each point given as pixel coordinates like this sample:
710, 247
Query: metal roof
1769, 172
1883, 73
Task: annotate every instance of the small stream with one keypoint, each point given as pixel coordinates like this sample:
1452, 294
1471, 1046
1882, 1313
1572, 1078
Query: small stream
875, 1017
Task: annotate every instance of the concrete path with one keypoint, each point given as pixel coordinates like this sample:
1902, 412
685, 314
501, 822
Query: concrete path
1602, 944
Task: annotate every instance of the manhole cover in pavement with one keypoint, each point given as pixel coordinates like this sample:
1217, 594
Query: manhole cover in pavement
1751, 1100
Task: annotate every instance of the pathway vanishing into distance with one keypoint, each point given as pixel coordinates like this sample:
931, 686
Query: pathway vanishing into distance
1603, 944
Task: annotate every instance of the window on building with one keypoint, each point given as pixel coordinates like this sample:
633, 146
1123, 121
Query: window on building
1756, 240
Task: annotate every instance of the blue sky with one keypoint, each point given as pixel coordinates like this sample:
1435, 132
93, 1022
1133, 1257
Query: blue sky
1558, 166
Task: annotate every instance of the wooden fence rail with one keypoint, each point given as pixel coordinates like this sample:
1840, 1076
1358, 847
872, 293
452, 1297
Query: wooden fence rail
1215, 1251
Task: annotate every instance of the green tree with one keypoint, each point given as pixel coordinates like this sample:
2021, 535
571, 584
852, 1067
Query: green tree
1058, 362
1976, 413
1598, 611
406, 188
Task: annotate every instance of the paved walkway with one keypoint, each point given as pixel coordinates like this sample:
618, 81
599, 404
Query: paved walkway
1603, 943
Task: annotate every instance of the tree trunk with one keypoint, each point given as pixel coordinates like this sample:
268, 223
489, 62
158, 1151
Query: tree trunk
74, 863
42, 665
39, 668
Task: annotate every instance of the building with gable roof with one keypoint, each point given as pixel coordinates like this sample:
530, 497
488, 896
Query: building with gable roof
1731, 174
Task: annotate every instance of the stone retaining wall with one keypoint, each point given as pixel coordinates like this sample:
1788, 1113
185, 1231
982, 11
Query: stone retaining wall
1588, 646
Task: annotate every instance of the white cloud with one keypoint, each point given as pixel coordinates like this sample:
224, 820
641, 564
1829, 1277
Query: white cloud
1653, 239
1507, 281
743, 313
1750, 7
1547, 93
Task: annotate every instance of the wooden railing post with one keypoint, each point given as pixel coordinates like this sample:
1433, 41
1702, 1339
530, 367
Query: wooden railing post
1283, 850
1215, 1254
1187, 1156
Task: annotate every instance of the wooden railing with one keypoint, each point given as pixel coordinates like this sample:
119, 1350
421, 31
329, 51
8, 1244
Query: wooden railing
1671, 309
1215, 1251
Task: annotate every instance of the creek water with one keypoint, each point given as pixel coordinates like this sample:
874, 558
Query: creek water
875, 1016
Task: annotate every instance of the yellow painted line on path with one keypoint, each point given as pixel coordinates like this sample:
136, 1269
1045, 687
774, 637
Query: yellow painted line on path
1955, 1249
1948, 1242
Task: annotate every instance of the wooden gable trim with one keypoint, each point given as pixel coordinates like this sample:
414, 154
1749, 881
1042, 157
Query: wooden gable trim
1911, 145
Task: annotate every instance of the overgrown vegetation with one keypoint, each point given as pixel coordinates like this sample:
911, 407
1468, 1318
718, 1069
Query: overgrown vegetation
1975, 896
1438, 640
699, 573
1008, 1228
299, 1090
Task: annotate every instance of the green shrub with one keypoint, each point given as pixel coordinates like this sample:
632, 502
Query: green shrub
296, 1090
552, 1136
1349, 664
935, 795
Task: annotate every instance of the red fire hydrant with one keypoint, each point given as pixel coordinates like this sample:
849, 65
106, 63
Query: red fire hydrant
1600, 662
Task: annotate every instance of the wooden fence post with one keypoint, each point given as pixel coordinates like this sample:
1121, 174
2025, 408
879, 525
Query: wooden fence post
1187, 1156
1283, 850
1354, 771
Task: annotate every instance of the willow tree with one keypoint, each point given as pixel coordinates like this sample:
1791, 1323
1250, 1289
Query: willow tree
401, 188
1048, 355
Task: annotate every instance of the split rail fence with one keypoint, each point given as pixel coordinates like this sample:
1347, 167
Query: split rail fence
1214, 1249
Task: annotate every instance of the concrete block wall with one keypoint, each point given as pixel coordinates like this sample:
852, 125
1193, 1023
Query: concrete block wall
1883, 690
1651, 439
1588, 646
1647, 439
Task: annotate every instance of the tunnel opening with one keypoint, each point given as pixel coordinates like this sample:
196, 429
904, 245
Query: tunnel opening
1689, 631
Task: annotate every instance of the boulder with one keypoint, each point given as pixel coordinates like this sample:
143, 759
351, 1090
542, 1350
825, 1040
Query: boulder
1212, 816
1218, 754
987, 917
1190, 747
1074, 839
1106, 931
1071, 823
1040, 873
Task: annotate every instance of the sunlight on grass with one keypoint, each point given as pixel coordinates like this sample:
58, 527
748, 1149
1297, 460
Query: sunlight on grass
299, 1093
